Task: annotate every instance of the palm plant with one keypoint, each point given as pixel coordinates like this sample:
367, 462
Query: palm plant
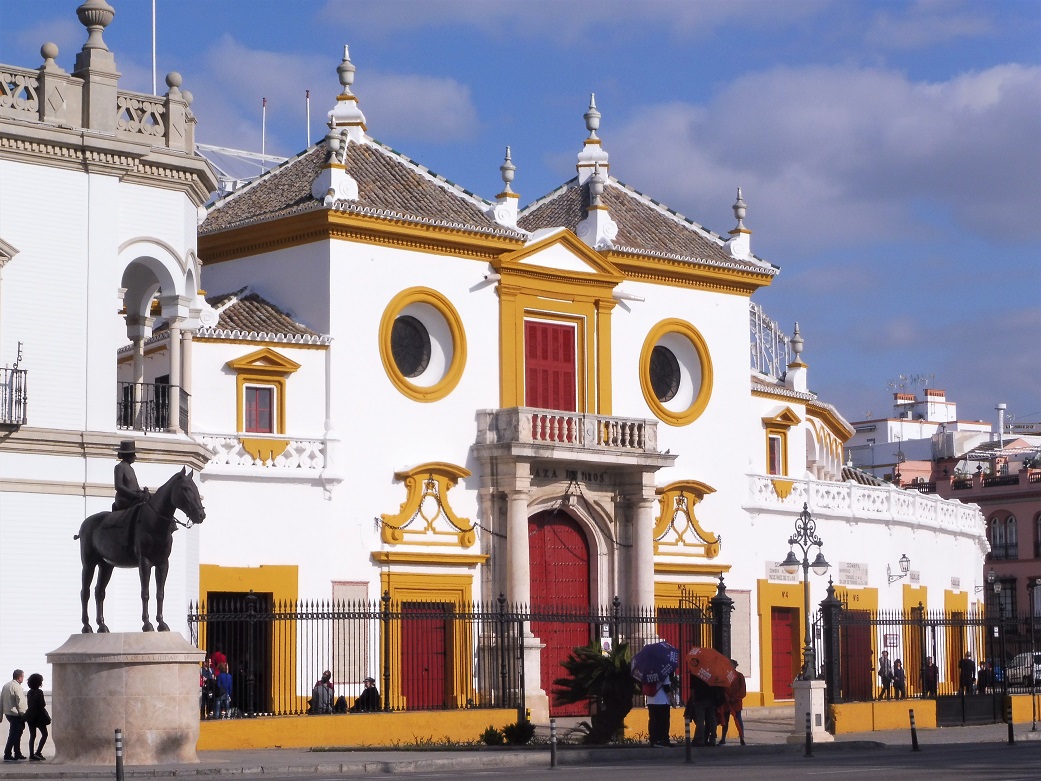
604, 678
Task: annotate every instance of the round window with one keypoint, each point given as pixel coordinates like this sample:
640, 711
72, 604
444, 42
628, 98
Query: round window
665, 373
410, 346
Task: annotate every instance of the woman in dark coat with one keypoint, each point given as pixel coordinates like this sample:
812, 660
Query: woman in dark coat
36, 716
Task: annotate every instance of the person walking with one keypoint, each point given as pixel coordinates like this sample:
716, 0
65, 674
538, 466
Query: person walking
369, 700
966, 674
732, 707
899, 680
14, 704
930, 678
885, 672
36, 717
223, 704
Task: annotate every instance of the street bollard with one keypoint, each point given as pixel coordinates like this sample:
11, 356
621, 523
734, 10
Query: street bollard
1008, 718
809, 735
552, 743
119, 755
914, 732
686, 738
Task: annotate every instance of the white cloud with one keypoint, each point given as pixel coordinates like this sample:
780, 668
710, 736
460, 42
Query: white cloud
926, 23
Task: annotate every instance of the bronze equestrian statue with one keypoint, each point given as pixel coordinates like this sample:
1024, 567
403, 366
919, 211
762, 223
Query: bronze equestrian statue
142, 537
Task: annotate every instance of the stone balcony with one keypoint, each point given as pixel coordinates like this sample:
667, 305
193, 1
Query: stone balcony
528, 433
270, 457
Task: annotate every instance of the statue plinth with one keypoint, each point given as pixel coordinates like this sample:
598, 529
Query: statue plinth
144, 683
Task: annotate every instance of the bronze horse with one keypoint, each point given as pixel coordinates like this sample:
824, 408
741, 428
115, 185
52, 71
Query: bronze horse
114, 539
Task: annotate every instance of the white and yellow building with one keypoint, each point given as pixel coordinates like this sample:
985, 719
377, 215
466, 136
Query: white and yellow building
394, 385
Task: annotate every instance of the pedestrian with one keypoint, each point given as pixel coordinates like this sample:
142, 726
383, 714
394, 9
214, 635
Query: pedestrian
966, 674
885, 672
701, 710
984, 677
658, 709
223, 704
930, 678
36, 717
14, 704
322, 695
734, 704
899, 680
369, 700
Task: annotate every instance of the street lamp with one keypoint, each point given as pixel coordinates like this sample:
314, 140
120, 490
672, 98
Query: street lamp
997, 586
905, 567
1031, 585
806, 538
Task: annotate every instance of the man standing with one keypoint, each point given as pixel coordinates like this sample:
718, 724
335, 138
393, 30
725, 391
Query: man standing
966, 674
14, 704
885, 672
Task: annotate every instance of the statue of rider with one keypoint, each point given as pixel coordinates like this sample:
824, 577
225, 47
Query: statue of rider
128, 492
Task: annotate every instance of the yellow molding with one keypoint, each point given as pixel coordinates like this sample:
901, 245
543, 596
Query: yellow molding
426, 500
783, 488
262, 342
446, 559
676, 512
784, 419
677, 273
454, 372
265, 368
684, 568
701, 398
836, 425
602, 270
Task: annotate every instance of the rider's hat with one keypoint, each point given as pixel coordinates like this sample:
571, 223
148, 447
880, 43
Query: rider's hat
127, 448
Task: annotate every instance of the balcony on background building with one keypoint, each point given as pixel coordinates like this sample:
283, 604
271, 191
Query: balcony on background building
148, 406
13, 397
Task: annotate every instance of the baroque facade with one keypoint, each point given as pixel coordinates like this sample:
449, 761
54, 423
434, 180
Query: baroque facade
393, 385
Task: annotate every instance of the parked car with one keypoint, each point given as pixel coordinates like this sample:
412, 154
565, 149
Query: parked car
1021, 671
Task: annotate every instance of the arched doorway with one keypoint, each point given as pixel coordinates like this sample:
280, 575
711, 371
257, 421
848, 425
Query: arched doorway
560, 586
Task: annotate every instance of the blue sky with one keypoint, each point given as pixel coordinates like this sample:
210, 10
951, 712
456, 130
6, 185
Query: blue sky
889, 152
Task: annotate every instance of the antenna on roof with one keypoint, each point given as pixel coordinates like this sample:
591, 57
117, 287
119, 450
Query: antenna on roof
307, 101
263, 132
154, 91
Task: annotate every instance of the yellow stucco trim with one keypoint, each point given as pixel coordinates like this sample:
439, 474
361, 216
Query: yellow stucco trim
676, 512
782, 488
453, 590
261, 342
279, 580
454, 371
415, 557
842, 430
265, 368
678, 273
426, 500
701, 398
955, 601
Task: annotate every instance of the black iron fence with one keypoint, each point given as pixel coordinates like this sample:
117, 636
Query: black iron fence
937, 649
146, 406
13, 396
423, 655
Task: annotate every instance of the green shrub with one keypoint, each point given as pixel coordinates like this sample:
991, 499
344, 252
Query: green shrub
519, 734
492, 737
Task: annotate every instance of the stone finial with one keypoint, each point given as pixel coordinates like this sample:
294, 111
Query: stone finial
345, 70
596, 188
49, 52
739, 246
592, 153
346, 114
797, 343
597, 230
95, 15
173, 83
504, 211
592, 117
333, 183
795, 378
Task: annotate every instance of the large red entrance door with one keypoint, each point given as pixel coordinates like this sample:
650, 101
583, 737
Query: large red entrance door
559, 560
855, 640
549, 365
784, 631
424, 654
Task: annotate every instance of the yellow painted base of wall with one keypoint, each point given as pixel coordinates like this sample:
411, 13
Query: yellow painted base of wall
874, 716
416, 728
636, 724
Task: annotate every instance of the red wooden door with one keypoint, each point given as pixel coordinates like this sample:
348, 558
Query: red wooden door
549, 366
785, 634
857, 676
559, 561
424, 655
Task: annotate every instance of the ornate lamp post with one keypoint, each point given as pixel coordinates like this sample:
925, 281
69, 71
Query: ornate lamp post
1032, 584
806, 539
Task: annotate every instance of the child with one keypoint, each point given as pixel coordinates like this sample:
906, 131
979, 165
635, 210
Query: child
36, 717
223, 706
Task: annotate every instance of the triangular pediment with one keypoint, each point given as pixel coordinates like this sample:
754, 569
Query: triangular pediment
786, 418
265, 361
559, 251
7, 252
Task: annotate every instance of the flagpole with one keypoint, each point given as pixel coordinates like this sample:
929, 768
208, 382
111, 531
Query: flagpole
263, 135
307, 100
154, 90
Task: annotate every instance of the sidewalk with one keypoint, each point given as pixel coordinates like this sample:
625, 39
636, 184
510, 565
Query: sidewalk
766, 732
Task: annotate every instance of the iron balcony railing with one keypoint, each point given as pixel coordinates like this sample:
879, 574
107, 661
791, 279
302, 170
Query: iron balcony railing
13, 397
146, 406
423, 655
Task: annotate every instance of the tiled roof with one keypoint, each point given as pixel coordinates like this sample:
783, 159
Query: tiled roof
390, 185
645, 226
245, 314
859, 476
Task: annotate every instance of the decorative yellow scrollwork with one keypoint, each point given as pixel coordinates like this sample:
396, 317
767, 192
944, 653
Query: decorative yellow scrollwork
426, 517
677, 530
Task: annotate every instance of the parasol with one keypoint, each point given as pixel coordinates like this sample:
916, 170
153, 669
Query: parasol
655, 663
711, 666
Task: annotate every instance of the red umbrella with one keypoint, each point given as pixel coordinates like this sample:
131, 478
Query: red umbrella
711, 666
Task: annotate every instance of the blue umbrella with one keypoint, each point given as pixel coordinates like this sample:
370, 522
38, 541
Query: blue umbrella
655, 663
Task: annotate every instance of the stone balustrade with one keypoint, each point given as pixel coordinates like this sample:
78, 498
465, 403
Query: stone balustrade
527, 425
865, 503
296, 454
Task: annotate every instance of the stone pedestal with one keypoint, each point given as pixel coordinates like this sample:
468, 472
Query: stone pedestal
145, 683
809, 699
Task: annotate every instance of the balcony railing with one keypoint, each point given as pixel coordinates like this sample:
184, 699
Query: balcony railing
13, 397
527, 425
146, 406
